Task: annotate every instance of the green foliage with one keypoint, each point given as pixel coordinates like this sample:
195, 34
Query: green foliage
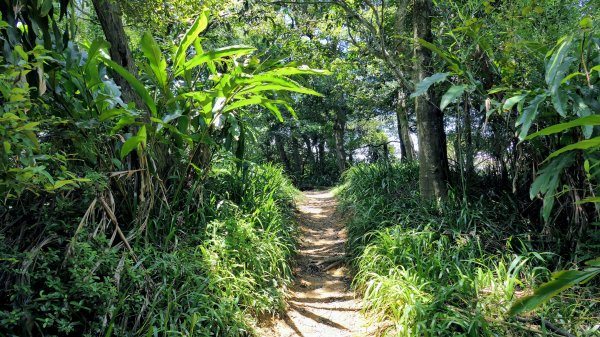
424, 85
25, 163
145, 223
207, 278
561, 281
453, 272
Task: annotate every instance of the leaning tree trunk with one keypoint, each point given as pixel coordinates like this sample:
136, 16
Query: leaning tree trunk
339, 129
406, 148
433, 159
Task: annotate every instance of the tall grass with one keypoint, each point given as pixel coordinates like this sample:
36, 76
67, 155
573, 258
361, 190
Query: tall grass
448, 270
206, 267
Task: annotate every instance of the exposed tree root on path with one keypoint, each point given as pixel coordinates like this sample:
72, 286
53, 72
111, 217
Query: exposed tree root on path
320, 303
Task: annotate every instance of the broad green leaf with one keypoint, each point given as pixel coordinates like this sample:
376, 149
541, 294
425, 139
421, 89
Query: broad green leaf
555, 63
547, 182
495, 90
139, 88
190, 36
62, 183
529, 114
129, 145
142, 135
570, 76
452, 94
559, 101
586, 23
157, 62
28, 127
588, 200
583, 121
452, 61
106, 115
94, 51
556, 69
594, 262
581, 145
583, 110
560, 281
215, 55
509, 103
424, 85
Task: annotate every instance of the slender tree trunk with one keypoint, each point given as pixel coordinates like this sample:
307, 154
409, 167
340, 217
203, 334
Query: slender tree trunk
296, 158
282, 155
309, 151
386, 152
433, 158
339, 129
406, 147
321, 154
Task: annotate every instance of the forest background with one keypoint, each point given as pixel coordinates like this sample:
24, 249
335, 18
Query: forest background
150, 151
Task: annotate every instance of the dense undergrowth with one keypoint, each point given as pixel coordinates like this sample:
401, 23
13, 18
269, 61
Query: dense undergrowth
206, 270
452, 270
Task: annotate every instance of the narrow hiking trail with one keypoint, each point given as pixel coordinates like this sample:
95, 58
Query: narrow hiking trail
320, 303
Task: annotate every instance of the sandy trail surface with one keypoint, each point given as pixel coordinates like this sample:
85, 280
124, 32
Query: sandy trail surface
320, 303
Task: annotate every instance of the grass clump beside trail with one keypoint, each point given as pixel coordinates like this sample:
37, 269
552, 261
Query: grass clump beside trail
205, 270
451, 270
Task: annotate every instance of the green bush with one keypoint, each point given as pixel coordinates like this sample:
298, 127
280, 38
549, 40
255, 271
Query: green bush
222, 261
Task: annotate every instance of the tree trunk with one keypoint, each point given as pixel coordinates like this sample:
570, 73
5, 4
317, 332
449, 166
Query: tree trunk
309, 151
282, 155
321, 154
109, 16
406, 147
433, 158
339, 129
296, 158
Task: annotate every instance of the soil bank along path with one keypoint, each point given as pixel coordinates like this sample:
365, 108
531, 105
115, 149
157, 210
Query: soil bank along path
320, 303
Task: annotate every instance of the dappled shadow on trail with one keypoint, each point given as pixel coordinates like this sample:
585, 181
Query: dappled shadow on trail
320, 303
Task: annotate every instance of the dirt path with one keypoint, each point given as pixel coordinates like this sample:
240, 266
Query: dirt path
320, 303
